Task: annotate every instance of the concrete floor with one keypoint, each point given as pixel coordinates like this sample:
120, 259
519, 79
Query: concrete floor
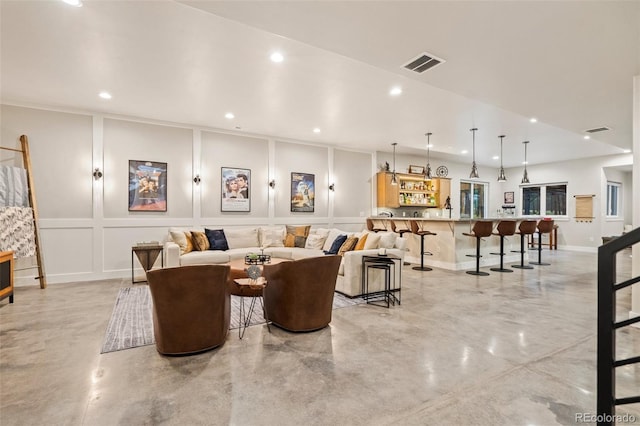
507, 349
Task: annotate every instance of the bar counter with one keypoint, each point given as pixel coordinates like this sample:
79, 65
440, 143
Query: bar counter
449, 247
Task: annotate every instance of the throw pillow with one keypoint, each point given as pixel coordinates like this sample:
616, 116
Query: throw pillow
331, 237
180, 238
272, 236
296, 236
200, 241
242, 237
315, 241
337, 243
361, 241
217, 239
348, 245
372, 242
387, 239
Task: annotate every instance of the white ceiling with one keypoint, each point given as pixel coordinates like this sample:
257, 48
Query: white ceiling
568, 63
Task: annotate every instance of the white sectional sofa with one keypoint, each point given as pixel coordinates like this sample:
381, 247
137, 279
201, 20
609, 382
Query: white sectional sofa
242, 241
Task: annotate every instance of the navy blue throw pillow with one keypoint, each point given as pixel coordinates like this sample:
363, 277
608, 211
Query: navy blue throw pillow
337, 243
217, 239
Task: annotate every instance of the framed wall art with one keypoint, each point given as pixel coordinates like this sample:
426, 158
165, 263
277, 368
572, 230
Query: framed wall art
147, 186
508, 197
236, 196
302, 192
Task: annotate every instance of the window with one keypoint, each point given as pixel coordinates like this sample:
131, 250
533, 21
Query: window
473, 200
550, 200
613, 199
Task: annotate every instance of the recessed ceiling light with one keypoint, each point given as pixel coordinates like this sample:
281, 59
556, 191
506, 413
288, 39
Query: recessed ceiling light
316, 130
105, 95
533, 120
464, 151
229, 115
587, 137
525, 162
76, 3
626, 151
496, 157
395, 91
277, 57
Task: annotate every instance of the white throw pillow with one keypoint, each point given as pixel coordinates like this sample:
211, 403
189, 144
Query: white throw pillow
387, 239
372, 241
315, 241
333, 234
241, 238
272, 236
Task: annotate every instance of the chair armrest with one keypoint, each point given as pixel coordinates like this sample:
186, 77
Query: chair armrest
171, 254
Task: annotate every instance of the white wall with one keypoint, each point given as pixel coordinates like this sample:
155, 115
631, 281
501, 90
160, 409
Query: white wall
86, 228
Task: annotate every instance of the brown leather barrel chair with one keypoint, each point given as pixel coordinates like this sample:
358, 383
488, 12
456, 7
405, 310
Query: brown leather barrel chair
191, 308
299, 294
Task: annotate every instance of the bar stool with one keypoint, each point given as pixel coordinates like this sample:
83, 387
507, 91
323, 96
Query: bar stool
481, 229
403, 230
526, 228
544, 227
422, 233
372, 228
505, 228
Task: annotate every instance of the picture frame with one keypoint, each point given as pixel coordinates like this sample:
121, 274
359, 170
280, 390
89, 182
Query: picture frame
509, 197
302, 192
235, 194
147, 186
417, 170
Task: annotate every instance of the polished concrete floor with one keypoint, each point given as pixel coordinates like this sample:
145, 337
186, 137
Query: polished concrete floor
507, 349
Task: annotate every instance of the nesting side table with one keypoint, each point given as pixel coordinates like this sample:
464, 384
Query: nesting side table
391, 294
147, 256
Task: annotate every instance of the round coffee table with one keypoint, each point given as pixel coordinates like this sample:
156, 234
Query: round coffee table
241, 285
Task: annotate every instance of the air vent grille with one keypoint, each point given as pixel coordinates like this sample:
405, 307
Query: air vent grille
598, 129
423, 62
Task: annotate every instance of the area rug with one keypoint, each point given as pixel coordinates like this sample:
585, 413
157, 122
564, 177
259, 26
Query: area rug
131, 323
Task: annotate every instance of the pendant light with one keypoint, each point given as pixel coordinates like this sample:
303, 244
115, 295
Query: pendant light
394, 179
427, 170
474, 168
525, 176
501, 175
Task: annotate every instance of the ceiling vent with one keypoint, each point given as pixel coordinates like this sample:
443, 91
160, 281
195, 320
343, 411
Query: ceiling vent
598, 129
423, 62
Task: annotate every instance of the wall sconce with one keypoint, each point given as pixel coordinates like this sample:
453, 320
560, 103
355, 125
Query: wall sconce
332, 187
97, 174
197, 180
272, 184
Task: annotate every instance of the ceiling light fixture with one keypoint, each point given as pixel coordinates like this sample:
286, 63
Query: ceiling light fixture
626, 151
464, 151
427, 170
76, 3
395, 91
394, 179
316, 130
525, 176
501, 175
474, 168
586, 137
105, 95
533, 120
277, 57
229, 116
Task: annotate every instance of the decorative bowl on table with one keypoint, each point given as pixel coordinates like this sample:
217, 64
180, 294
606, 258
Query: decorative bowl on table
257, 259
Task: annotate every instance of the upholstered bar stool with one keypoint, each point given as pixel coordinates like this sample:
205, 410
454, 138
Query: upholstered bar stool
526, 228
544, 227
422, 233
401, 227
481, 229
505, 228
373, 228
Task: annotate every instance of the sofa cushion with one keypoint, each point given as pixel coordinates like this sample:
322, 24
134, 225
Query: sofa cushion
348, 245
361, 241
387, 239
199, 240
303, 253
242, 238
272, 236
337, 243
372, 241
315, 241
217, 239
296, 236
207, 257
180, 238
